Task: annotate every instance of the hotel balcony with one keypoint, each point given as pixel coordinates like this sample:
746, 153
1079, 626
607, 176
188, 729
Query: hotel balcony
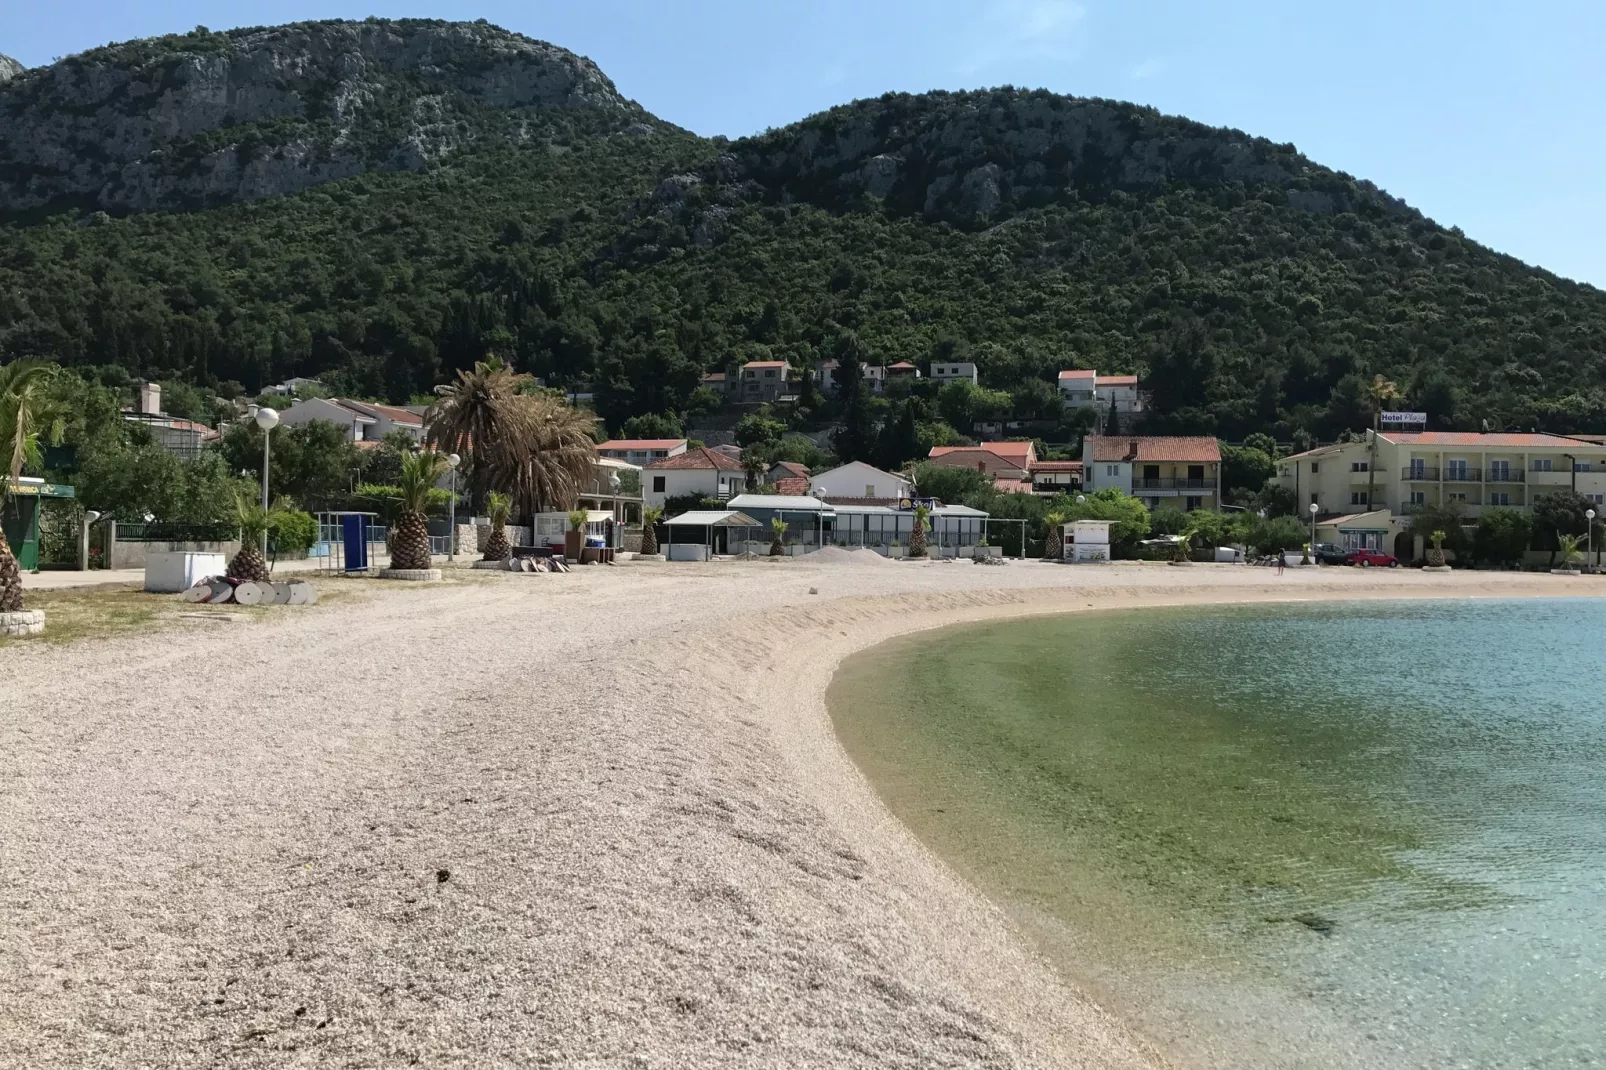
1430, 474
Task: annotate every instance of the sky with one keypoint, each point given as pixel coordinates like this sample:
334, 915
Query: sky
1484, 114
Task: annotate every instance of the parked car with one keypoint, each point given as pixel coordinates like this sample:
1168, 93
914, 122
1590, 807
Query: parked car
1371, 559
1327, 553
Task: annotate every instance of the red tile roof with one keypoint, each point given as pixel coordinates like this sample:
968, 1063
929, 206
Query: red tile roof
1083, 373
1193, 449
700, 458
1009, 451
641, 444
1474, 440
793, 486
901, 366
394, 413
1118, 380
1012, 486
714, 377
1055, 466
793, 468
765, 364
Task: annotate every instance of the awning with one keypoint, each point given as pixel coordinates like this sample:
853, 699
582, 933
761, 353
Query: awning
710, 518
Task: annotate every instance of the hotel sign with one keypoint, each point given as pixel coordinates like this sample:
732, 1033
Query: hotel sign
1404, 421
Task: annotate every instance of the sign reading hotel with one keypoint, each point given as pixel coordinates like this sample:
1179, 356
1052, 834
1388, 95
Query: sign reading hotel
1404, 421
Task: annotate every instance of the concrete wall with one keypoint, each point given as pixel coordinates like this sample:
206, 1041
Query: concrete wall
132, 554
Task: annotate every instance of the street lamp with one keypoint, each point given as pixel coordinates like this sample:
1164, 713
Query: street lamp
1590, 513
1314, 509
452, 461
267, 419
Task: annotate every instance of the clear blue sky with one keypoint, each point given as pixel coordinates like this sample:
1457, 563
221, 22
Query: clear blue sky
1489, 115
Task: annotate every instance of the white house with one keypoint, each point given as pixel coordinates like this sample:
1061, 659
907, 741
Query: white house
1183, 471
292, 385
953, 371
874, 376
363, 421
700, 471
859, 480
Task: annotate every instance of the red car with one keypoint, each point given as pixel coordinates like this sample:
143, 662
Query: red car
1371, 559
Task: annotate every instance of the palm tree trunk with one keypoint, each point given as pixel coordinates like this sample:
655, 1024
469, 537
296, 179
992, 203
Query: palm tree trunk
10, 579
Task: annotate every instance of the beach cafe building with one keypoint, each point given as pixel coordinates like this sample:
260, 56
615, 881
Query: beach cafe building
955, 529
704, 533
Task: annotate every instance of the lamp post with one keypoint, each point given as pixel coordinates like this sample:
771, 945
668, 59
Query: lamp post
452, 461
1590, 513
1314, 509
267, 419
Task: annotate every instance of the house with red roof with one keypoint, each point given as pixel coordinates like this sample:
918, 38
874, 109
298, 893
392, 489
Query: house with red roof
764, 380
703, 471
1007, 464
1469, 472
642, 451
1084, 388
1179, 471
362, 421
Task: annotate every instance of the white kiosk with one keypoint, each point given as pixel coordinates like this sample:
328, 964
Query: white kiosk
1086, 540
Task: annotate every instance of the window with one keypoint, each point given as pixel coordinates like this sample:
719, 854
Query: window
1196, 471
1455, 469
1457, 496
1195, 501
1419, 497
658, 484
1112, 470
1313, 497
1151, 471
1419, 468
869, 490
1359, 466
1499, 471
769, 374
1315, 467
1358, 498
1499, 497
1598, 499
1543, 464
1582, 466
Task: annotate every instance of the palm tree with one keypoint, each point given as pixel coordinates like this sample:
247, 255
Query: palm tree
409, 544
777, 532
1436, 555
498, 506
255, 520
649, 530
534, 447
1381, 391
1568, 545
917, 537
24, 412
1183, 551
1054, 541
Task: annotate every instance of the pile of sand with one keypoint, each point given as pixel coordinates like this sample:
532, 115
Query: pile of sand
841, 555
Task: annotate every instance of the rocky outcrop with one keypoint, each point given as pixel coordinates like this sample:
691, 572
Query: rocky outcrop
9, 69
215, 118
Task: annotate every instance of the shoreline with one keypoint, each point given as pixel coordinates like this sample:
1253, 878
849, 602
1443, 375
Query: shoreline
656, 851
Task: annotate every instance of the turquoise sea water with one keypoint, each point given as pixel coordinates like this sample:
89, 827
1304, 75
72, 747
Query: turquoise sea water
1365, 834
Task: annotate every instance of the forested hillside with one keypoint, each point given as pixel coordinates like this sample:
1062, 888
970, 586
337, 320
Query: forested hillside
590, 243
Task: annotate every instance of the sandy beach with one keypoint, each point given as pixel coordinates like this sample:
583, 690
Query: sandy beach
595, 820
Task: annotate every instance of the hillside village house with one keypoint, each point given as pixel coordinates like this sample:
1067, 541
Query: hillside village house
642, 451
700, 471
363, 421
1056, 477
902, 370
874, 376
1402, 471
857, 481
716, 381
1087, 389
1007, 464
954, 371
182, 438
1181, 472
764, 380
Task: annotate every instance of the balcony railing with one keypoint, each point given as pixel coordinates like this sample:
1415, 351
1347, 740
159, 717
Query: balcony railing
1430, 474
1173, 484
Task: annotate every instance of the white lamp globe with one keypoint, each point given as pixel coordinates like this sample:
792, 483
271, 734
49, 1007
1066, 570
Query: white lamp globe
453, 460
267, 419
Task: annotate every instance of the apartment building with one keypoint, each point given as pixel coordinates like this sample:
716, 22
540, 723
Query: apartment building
1087, 389
1181, 472
954, 371
1405, 471
642, 451
764, 380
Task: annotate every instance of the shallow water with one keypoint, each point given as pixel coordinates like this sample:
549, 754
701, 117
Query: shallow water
1366, 834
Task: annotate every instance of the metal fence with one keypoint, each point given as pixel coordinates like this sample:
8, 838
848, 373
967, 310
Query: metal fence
158, 531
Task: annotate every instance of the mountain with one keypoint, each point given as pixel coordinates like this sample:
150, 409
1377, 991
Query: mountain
9, 69
353, 233
209, 118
